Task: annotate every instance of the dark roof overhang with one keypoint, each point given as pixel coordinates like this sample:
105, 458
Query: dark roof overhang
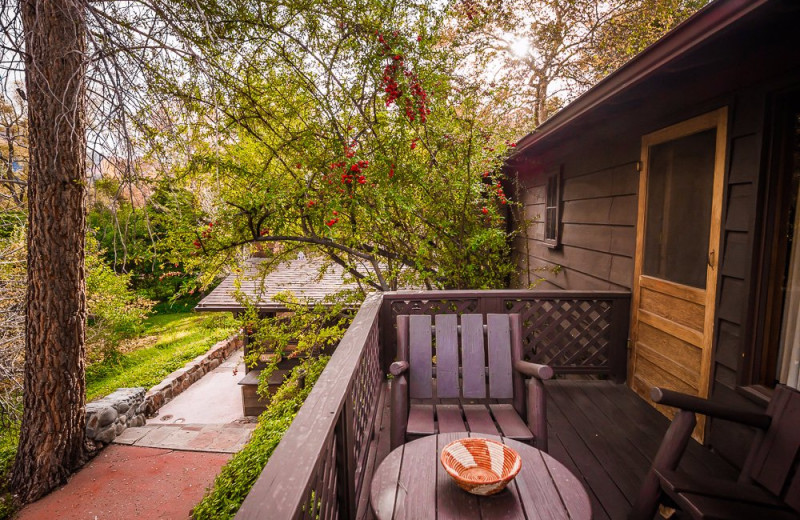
692, 33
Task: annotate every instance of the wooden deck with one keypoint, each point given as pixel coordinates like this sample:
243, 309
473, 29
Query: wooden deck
604, 433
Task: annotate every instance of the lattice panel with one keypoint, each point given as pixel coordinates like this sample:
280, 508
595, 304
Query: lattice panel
322, 502
565, 333
466, 306
365, 394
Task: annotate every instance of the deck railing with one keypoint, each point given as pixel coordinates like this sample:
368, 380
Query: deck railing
319, 469
575, 332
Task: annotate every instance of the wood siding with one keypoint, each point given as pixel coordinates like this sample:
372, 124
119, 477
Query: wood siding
598, 235
736, 245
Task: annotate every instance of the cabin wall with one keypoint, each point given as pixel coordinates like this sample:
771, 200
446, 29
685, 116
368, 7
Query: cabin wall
735, 284
598, 216
599, 160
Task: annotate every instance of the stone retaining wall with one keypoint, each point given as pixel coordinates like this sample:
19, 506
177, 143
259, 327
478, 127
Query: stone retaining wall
111, 415
108, 417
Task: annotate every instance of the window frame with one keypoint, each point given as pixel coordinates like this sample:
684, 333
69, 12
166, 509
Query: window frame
552, 209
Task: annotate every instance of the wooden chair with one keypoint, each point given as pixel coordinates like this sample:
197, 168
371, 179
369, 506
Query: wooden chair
450, 394
769, 484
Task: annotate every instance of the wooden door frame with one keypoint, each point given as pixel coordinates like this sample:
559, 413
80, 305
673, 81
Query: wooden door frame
717, 119
759, 358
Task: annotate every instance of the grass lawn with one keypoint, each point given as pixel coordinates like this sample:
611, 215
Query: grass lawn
167, 343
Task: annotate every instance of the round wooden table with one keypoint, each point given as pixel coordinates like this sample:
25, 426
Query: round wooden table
411, 483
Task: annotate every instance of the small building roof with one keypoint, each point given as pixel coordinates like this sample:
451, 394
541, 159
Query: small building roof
303, 276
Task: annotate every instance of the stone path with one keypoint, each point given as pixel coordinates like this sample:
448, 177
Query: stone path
127, 482
220, 438
215, 399
160, 470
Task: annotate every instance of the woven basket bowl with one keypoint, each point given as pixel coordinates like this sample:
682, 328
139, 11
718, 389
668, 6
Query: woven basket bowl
480, 466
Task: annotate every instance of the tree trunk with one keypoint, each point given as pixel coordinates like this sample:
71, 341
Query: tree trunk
52, 439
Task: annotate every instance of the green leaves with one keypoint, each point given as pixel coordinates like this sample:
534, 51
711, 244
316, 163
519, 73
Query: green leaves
344, 127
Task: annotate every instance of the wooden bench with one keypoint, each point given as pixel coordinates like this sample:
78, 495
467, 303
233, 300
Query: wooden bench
769, 484
445, 389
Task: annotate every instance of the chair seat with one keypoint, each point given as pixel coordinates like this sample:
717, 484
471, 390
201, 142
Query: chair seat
703, 507
491, 419
677, 482
708, 497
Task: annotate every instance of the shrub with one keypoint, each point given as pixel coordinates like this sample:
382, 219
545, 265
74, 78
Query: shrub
115, 311
316, 328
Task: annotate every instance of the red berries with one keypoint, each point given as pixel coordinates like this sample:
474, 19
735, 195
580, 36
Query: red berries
484, 210
415, 103
310, 203
413, 143
331, 222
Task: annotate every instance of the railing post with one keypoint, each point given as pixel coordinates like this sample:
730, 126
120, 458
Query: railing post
618, 339
386, 333
491, 305
346, 464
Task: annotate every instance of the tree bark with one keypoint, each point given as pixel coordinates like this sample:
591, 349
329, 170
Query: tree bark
52, 437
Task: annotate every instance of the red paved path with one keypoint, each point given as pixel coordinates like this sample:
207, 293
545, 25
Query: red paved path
125, 482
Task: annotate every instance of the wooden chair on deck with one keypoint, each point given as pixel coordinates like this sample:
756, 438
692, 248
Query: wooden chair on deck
767, 487
451, 394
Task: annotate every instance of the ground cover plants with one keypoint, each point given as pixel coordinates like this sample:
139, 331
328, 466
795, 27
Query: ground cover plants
313, 329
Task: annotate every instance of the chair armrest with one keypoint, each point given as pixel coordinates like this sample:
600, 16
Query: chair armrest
533, 370
398, 367
399, 419
706, 407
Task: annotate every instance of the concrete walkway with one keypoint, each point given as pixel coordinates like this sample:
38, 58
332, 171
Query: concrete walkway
160, 470
206, 417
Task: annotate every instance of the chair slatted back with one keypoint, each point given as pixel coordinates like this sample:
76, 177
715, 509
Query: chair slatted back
420, 355
447, 368
776, 458
465, 354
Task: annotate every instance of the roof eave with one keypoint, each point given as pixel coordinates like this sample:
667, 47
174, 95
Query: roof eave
704, 24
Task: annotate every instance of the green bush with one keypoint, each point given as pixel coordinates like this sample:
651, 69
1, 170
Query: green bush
315, 327
115, 310
168, 306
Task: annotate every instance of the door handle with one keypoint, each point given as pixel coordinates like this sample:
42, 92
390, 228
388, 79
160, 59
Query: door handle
711, 255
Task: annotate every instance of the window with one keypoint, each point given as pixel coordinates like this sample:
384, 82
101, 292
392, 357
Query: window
552, 210
679, 194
